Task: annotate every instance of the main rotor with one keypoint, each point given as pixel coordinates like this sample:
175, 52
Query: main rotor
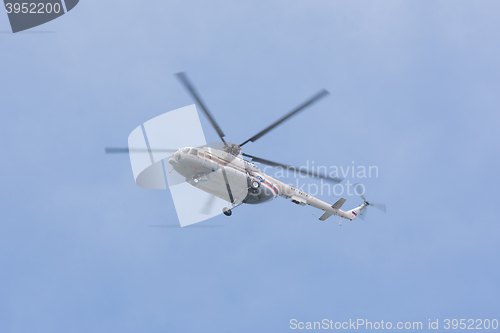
235, 149
232, 149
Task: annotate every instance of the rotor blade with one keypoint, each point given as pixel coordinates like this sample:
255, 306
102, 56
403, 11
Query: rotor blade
231, 198
190, 88
359, 191
379, 206
207, 208
310, 101
362, 214
301, 170
136, 150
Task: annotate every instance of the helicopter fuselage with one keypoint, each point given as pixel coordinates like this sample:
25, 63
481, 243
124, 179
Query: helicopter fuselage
237, 181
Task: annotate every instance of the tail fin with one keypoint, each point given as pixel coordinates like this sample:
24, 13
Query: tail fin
357, 212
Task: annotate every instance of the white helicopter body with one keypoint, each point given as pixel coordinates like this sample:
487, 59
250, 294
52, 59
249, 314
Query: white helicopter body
238, 181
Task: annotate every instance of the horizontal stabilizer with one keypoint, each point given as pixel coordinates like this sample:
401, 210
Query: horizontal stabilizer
325, 216
338, 204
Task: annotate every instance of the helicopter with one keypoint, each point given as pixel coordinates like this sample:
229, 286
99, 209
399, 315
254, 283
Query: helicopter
224, 173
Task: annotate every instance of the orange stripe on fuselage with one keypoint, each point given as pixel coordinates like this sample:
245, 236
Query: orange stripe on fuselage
271, 186
215, 159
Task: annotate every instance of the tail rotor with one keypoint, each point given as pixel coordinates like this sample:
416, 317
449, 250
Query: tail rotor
359, 189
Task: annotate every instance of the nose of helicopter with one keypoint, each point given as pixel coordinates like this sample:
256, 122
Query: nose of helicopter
176, 157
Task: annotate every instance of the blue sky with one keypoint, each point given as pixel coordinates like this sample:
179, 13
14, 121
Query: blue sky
414, 90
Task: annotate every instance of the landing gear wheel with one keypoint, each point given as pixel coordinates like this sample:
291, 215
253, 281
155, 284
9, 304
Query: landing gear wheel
195, 180
227, 211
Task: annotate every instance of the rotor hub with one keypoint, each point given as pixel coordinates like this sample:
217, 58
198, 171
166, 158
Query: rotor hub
232, 149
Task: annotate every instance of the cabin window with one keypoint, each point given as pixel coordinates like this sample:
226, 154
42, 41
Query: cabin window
194, 151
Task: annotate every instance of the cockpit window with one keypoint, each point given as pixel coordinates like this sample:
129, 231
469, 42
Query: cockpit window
194, 151
186, 150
